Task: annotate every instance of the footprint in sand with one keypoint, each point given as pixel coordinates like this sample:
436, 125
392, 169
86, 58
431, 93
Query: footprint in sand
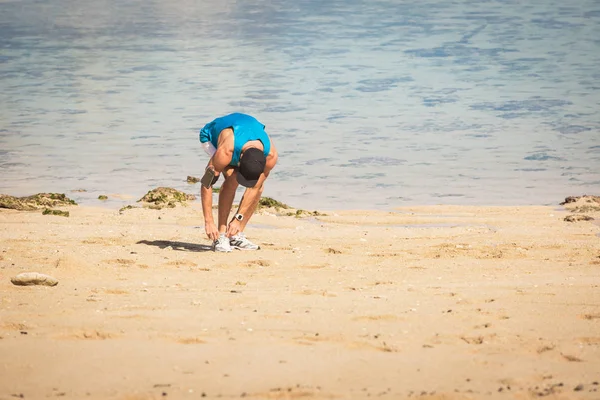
384, 255
590, 316
131, 316
297, 392
14, 326
107, 241
115, 291
571, 358
190, 340
181, 263
90, 334
314, 266
332, 251
589, 341
545, 348
310, 292
307, 340
122, 262
257, 263
480, 339
387, 317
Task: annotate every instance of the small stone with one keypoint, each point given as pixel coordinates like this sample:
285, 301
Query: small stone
33, 278
578, 388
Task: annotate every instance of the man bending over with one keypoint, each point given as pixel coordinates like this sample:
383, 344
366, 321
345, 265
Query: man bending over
240, 149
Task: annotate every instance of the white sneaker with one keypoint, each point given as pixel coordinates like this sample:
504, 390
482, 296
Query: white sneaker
222, 244
240, 242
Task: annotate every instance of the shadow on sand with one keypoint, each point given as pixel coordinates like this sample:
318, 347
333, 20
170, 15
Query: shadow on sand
181, 246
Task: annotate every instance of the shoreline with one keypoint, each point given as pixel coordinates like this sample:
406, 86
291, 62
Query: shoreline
115, 201
429, 302
369, 199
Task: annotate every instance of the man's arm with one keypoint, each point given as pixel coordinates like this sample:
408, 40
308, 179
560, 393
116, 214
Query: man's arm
271, 159
209, 223
218, 162
222, 157
252, 195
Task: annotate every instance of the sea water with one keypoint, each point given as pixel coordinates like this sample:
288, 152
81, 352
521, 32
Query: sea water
371, 104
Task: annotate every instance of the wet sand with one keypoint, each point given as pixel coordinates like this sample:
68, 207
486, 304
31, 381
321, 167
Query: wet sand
439, 302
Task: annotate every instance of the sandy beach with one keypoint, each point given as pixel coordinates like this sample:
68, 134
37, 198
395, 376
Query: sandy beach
436, 302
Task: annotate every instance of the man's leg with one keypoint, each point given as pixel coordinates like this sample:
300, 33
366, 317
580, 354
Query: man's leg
239, 241
226, 197
251, 210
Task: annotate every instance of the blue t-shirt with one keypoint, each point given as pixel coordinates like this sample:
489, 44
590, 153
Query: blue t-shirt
245, 128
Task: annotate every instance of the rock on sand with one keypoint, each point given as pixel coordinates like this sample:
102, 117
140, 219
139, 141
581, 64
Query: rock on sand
33, 278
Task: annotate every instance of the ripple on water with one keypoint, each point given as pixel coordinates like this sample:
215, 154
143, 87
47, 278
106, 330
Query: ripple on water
401, 102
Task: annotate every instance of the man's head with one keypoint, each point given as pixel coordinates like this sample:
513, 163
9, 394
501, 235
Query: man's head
252, 164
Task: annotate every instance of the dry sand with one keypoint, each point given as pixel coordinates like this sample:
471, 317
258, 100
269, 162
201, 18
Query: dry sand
426, 302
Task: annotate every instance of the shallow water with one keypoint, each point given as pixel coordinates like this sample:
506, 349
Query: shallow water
371, 104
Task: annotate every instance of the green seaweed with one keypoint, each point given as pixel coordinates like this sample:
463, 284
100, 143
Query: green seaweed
300, 213
48, 211
268, 202
102, 197
582, 204
128, 207
36, 201
164, 197
304, 213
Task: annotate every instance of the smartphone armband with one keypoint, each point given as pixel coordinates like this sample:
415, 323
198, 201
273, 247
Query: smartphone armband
209, 178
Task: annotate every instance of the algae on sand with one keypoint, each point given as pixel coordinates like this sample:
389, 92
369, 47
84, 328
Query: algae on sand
303, 213
128, 207
268, 202
60, 213
35, 202
581, 204
165, 197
